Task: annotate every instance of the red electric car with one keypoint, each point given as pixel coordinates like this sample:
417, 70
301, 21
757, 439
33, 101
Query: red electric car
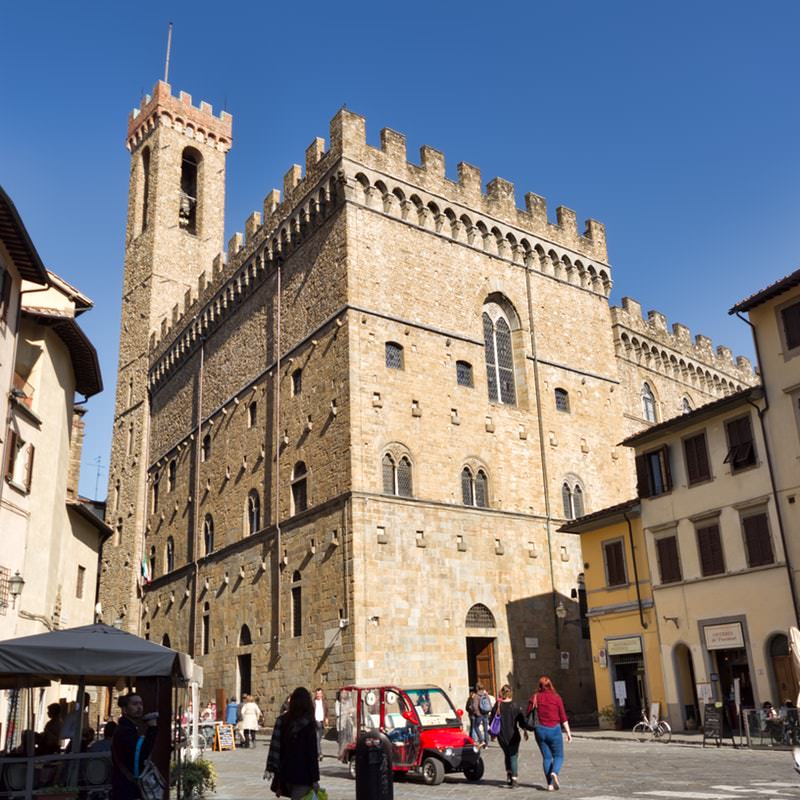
421, 723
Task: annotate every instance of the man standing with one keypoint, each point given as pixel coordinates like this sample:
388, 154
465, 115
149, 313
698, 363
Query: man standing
128, 753
320, 717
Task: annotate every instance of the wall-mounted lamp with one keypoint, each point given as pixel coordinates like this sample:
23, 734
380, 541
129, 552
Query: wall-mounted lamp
16, 583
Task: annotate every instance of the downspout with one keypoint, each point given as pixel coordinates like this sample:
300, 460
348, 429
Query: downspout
761, 413
278, 543
543, 454
635, 570
198, 448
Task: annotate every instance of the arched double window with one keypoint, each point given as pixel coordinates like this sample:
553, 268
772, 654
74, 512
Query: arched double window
648, 403
299, 488
474, 488
169, 555
397, 476
208, 534
499, 356
190, 167
572, 499
253, 513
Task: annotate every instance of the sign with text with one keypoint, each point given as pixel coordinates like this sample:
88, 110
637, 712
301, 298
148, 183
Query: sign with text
724, 637
620, 692
623, 647
224, 738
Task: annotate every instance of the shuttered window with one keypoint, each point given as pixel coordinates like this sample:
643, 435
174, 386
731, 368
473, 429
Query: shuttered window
653, 475
791, 325
696, 452
741, 452
669, 565
757, 540
709, 544
614, 554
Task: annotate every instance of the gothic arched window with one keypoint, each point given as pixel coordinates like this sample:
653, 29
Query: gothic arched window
648, 403
499, 357
253, 512
208, 534
299, 488
169, 555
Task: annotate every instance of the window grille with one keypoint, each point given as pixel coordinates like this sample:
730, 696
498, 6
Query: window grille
388, 467
187, 215
648, 403
394, 355
499, 360
253, 512
299, 487
577, 501
562, 400
404, 487
169, 556
481, 490
466, 487
464, 373
479, 616
208, 533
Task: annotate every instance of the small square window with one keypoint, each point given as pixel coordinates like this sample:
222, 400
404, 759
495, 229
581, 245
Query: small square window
741, 450
464, 374
394, 355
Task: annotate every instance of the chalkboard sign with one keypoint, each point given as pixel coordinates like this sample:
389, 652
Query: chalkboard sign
224, 738
716, 724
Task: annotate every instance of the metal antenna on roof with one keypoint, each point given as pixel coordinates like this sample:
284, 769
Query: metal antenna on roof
169, 47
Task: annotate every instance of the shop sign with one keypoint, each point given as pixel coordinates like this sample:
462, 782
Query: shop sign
564, 659
623, 647
724, 637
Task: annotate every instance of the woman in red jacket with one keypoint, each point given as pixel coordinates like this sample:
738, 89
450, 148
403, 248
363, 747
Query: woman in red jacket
552, 718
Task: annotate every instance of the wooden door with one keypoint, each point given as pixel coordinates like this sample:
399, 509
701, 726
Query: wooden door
484, 665
785, 681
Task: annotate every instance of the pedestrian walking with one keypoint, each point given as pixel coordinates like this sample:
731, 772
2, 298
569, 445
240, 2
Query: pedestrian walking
320, 717
483, 704
251, 719
232, 712
128, 754
511, 723
552, 718
293, 758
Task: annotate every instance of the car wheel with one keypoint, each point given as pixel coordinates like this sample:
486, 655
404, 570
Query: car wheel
432, 771
351, 767
474, 773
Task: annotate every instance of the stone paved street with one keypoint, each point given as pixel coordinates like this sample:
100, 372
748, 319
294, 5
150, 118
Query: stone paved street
596, 769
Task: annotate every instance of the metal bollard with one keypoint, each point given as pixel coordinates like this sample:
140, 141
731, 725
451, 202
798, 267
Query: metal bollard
374, 767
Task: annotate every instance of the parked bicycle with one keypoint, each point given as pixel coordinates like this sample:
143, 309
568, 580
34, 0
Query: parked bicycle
658, 731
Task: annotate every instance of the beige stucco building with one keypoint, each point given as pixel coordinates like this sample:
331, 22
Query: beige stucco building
717, 555
342, 449
51, 536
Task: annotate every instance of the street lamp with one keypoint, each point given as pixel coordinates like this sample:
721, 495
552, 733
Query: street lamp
15, 585
561, 611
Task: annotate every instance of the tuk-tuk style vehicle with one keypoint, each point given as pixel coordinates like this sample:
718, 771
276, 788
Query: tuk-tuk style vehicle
422, 725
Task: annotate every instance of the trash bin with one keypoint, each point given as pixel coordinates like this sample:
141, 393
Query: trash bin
374, 767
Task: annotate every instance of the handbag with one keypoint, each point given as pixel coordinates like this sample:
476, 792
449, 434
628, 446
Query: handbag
150, 781
495, 724
532, 715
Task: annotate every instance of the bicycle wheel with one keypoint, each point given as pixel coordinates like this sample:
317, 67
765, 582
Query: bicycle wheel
662, 732
641, 731
198, 742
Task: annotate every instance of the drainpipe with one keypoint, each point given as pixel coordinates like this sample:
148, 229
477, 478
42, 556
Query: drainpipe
198, 449
761, 414
635, 570
278, 547
543, 454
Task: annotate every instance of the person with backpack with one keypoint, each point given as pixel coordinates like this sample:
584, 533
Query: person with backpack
511, 722
546, 711
482, 705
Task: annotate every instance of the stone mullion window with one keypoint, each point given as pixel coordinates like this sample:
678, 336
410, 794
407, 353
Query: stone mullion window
466, 487
505, 363
404, 486
491, 358
481, 490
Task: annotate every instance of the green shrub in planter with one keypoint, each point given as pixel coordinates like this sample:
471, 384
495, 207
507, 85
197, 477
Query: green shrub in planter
197, 777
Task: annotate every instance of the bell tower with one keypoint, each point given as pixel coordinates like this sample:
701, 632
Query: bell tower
175, 227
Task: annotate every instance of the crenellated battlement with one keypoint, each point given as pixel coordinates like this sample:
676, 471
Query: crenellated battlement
196, 122
651, 341
348, 140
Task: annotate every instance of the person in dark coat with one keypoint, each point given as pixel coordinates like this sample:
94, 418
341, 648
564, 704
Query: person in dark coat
293, 757
132, 726
511, 722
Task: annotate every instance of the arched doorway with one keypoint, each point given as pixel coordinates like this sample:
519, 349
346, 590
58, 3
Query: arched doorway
782, 672
685, 683
244, 664
480, 626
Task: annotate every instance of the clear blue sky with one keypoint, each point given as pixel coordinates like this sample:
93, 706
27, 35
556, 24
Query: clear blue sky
674, 123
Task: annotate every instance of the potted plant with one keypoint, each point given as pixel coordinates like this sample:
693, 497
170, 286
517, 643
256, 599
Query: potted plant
611, 717
197, 777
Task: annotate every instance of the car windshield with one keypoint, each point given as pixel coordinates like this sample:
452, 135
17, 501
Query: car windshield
434, 708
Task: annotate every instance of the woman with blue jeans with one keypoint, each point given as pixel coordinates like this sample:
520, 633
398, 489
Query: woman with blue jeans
552, 718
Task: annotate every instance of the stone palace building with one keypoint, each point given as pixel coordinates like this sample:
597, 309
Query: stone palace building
342, 449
